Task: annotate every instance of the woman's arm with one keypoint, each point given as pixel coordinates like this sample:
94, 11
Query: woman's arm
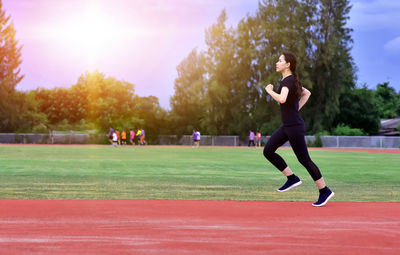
281, 98
305, 95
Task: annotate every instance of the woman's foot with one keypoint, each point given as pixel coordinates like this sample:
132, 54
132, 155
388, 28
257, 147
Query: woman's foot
293, 181
324, 195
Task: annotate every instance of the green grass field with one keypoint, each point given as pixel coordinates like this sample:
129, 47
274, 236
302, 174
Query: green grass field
103, 172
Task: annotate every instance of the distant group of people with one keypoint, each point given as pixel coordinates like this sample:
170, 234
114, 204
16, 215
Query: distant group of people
117, 138
252, 136
251, 139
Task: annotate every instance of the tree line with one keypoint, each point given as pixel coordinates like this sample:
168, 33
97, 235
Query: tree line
218, 90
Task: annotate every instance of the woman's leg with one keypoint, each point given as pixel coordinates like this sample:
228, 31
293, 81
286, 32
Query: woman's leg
298, 143
287, 171
277, 139
320, 183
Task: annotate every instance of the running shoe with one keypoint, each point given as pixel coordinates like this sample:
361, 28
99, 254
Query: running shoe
290, 184
324, 197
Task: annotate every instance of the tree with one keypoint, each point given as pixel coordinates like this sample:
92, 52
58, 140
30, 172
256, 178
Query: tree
358, 109
151, 117
10, 60
59, 105
189, 100
388, 101
332, 71
31, 119
95, 100
240, 62
221, 84
279, 26
107, 101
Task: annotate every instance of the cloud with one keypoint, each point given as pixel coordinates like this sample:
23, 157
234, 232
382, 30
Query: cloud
375, 14
393, 46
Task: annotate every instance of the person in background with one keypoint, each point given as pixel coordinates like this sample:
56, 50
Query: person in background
251, 138
132, 136
198, 138
115, 139
110, 135
195, 139
258, 135
119, 137
123, 137
142, 138
139, 136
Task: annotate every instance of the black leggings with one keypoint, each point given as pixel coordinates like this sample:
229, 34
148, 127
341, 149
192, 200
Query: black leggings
295, 135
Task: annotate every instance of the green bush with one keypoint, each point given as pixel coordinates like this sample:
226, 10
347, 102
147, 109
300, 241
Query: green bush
317, 141
323, 133
342, 129
40, 128
398, 128
63, 126
268, 128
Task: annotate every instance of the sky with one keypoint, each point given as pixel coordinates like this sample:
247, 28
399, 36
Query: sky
142, 42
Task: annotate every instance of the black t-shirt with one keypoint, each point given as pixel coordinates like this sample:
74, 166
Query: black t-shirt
290, 109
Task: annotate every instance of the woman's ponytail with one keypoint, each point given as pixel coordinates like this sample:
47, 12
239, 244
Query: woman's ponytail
298, 85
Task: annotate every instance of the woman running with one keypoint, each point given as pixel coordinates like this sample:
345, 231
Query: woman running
292, 97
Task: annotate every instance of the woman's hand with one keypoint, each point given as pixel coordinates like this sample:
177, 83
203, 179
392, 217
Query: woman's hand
281, 98
269, 88
305, 94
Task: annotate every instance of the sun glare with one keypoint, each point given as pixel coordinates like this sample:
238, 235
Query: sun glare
91, 33
95, 35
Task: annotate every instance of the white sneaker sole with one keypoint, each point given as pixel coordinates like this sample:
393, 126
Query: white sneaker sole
326, 201
290, 187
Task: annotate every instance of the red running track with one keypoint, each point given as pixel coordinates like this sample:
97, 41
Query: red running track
197, 227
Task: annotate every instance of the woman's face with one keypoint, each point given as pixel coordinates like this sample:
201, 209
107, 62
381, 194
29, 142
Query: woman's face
282, 65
